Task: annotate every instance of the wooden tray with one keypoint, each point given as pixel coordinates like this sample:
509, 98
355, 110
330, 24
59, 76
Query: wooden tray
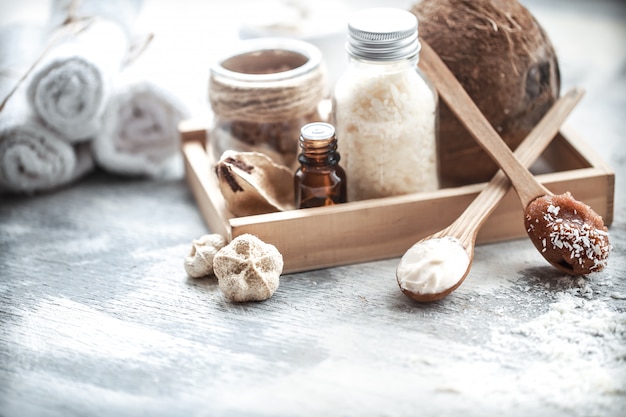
385, 228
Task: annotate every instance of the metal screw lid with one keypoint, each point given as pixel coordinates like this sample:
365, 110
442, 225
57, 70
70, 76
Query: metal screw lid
317, 131
383, 34
318, 138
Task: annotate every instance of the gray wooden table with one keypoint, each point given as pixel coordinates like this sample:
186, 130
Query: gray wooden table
98, 317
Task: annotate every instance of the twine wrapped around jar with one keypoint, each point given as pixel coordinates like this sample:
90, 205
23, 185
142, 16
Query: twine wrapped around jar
262, 95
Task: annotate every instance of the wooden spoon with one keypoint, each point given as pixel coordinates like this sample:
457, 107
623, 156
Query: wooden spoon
460, 236
568, 233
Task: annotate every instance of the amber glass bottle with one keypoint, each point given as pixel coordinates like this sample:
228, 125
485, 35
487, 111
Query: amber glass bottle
319, 181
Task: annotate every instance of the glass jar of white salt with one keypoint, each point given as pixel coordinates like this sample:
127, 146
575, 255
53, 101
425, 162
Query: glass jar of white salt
384, 109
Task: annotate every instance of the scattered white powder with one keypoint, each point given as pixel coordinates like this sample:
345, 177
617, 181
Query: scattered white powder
432, 266
576, 352
386, 131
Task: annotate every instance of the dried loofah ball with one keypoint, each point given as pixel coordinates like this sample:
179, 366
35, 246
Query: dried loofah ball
199, 262
248, 269
252, 183
506, 63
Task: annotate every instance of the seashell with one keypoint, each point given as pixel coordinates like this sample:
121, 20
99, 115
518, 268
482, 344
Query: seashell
199, 262
248, 269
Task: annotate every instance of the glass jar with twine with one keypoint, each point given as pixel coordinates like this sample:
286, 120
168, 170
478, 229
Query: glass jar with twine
262, 94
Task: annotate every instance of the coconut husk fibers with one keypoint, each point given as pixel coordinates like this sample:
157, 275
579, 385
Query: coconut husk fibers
506, 63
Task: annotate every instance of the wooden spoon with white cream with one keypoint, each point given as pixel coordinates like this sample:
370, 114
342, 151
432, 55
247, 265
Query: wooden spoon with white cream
570, 224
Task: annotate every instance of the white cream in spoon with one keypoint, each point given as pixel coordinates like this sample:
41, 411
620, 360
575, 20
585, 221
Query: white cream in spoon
432, 266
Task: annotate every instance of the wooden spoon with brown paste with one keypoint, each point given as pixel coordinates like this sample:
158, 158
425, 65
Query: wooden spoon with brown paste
567, 232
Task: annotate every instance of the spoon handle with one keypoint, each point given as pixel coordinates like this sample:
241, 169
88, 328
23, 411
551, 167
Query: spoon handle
468, 224
461, 104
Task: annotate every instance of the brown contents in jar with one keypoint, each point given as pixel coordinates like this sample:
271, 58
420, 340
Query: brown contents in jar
278, 136
568, 233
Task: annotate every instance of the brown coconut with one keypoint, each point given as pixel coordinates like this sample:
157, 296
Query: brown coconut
506, 63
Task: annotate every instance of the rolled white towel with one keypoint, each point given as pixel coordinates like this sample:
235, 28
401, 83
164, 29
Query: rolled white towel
69, 87
139, 134
33, 157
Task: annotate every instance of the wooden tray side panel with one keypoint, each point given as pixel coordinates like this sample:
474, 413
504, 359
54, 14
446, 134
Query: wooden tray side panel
329, 238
